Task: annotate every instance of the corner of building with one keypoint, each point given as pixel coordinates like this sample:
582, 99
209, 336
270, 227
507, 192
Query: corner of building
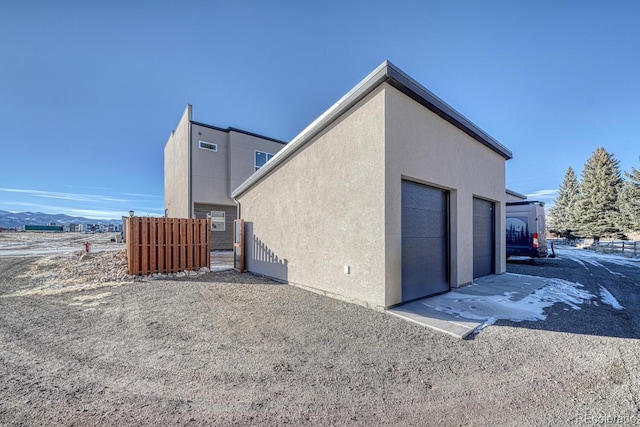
177, 168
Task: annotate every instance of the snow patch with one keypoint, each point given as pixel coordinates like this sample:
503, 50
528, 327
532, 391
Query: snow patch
582, 256
221, 267
490, 308
607, 298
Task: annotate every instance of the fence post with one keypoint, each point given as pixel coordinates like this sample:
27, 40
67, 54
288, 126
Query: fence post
189, 243
161, 237
153, 245
129, 233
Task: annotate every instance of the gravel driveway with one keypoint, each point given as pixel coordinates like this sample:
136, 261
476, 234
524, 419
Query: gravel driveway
231, 349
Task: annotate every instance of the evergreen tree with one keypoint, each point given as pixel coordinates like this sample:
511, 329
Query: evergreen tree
597, 213
629, 202
561, 214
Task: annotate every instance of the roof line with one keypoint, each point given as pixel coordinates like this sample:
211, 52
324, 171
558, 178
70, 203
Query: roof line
385, 72
229, 129
515, 193
525, 202
405, 84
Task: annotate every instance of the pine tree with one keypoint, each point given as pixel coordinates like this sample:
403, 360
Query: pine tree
629, 202
561, 213
597, 213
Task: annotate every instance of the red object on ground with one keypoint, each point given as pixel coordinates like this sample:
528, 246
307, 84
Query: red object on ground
87, 245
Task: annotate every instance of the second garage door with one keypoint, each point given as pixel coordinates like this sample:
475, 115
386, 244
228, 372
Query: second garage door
425, 241
483, 237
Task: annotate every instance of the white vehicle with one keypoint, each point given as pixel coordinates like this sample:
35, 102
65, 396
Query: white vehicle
526, 229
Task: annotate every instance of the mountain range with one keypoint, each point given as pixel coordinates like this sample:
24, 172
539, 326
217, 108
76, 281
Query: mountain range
20, 219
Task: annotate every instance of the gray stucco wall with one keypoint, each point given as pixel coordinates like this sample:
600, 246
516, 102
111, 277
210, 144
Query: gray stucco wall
242, 155
323, 211
176, 169
210, 169
217, 174
422, 147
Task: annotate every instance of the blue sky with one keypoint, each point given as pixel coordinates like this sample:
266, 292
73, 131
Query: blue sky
90, 90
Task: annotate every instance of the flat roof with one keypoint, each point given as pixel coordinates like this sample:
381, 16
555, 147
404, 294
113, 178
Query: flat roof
232, 129
515, 193
525, 202
384, 73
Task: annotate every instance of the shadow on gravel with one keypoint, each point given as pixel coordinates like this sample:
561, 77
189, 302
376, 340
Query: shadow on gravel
528, 261
536, 267
591, 316
582, 322
232, 276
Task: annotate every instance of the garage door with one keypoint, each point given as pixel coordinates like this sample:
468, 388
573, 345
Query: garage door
483, 238
425, 241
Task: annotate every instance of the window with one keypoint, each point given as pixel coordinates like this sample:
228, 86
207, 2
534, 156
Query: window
208, 146
217, 221
261, 159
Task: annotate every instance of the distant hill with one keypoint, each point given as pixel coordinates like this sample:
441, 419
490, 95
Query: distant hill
20, 219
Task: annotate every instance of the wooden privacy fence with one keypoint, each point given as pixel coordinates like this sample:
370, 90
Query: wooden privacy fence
167, 245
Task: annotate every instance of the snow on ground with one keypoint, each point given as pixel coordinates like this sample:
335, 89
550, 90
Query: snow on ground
607, 298
586, 256
26, 244
518, 307
58, 250
45, 244
221, 260
508, 306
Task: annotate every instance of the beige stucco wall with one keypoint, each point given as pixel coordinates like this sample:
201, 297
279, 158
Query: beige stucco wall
323, 210
422, 147
176, 169
337, 202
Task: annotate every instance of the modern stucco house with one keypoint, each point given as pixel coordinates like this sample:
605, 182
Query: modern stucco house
389, 196
203, 164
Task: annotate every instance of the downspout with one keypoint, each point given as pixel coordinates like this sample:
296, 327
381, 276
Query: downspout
237, 208
190, 198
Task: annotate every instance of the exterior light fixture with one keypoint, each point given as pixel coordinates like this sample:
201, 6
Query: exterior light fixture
131, 214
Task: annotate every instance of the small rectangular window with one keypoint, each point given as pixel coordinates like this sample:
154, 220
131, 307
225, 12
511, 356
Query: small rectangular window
217, 221
261, 159
208, 146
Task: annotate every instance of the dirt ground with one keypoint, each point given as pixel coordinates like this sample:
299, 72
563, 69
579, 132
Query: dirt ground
235, 349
